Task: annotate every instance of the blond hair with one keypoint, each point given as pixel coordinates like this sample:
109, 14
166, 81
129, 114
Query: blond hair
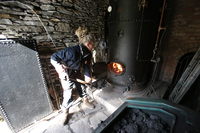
84, 35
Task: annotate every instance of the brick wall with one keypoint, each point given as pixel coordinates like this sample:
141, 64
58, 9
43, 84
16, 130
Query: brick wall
182, 35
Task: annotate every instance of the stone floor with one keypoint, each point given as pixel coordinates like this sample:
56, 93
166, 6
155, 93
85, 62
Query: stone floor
84, 120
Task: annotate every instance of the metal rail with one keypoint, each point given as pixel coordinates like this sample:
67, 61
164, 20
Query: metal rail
187, 79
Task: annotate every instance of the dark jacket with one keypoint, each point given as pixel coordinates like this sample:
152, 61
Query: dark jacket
72, 57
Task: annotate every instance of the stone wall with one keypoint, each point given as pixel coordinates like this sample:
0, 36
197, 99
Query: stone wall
52, 23
182, 35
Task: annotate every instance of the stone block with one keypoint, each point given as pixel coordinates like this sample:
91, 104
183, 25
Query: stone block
9, 32
46, 13
63, 10
58, 128
47, 7
55, 19
5, 16
50, 28
97, 118
3, 27
44, 37
30, 18
63, 27
88, 111
81, 126
43, 1
70, 44
66, 3
62, 16
36, 23
35, 4
6, 21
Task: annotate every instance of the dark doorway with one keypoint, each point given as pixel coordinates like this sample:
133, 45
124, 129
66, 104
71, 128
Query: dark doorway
181, 66
191, 98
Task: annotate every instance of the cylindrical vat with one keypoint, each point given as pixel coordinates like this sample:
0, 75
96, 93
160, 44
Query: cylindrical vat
132, 32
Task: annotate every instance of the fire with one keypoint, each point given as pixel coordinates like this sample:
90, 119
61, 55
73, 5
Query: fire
116, 68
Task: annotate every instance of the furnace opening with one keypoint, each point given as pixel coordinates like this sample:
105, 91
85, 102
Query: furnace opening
117, 68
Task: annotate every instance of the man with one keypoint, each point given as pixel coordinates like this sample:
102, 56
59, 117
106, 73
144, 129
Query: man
68, 63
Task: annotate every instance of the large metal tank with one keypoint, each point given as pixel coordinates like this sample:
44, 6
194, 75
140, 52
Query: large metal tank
132, 32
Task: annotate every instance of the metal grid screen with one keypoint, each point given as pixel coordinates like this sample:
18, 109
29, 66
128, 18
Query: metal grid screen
23, 94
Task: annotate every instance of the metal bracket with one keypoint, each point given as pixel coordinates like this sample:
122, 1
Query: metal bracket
143, 3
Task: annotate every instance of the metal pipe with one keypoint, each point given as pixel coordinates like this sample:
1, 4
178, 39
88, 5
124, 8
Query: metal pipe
154, 74
159, 28
140, 39
157, 39
156, 69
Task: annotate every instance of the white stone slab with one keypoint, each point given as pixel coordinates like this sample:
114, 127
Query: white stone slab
97, 118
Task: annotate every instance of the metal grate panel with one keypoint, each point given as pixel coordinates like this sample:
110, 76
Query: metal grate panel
23, 93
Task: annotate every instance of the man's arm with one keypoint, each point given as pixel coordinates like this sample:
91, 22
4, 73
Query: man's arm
57, 66
56, 60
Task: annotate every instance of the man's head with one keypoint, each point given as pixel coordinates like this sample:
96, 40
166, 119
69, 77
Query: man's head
85, 37
89, 45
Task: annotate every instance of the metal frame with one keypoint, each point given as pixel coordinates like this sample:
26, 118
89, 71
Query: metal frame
187, 79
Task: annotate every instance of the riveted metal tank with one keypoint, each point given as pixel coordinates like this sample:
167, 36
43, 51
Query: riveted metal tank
132, 32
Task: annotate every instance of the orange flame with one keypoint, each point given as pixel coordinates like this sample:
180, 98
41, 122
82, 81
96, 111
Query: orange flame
116, 68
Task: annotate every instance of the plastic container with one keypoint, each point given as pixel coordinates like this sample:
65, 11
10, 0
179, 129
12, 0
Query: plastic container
178, 118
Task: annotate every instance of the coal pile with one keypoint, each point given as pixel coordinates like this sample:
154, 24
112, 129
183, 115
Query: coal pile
136, 121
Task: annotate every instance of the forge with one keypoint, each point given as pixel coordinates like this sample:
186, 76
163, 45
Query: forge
132, 32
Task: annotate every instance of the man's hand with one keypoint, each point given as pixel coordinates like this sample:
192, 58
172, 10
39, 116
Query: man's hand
60, 70
88, 79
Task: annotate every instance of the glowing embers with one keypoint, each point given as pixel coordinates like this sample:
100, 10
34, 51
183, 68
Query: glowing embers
117, 68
